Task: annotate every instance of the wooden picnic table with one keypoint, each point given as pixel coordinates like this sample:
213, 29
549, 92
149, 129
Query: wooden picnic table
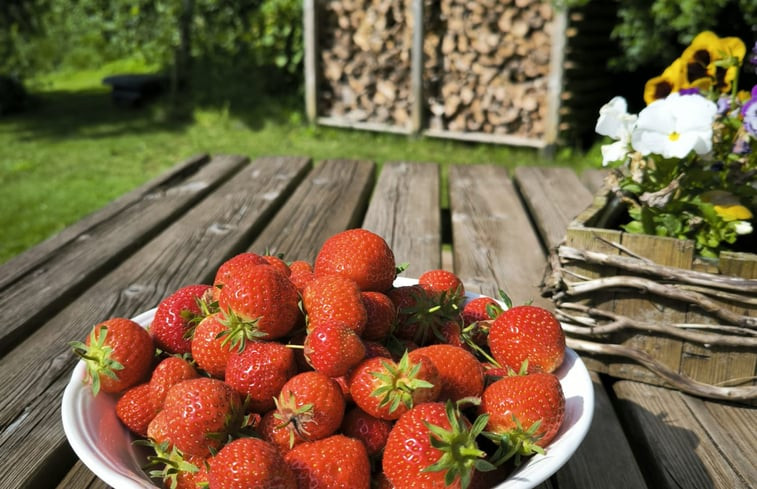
176, 229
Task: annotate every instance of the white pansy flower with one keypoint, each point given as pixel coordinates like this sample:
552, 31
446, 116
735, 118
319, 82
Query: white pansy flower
615, 122
674, 126
742, 227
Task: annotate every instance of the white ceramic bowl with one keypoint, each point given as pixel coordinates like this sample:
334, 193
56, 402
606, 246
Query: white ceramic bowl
105, 446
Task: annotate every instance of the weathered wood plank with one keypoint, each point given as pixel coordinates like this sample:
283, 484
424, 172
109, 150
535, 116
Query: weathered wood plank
554, 196
79, 261
80, 477
34, 257
605, 458
680, 444
333, 198
404, 210
36, 372
494, 243
732, 429
594, 178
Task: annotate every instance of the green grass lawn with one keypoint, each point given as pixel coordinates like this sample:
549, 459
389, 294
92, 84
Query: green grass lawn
73, 151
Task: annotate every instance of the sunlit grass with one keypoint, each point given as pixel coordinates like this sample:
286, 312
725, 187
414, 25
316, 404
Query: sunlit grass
73, 151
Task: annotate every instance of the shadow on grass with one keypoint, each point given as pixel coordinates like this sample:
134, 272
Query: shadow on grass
255, 96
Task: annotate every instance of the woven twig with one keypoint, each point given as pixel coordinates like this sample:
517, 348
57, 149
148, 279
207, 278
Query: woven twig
589, 326
665, 273
680, 382
662, 290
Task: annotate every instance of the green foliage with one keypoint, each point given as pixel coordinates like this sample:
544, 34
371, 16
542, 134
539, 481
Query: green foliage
654, 30
81, 34
650, 32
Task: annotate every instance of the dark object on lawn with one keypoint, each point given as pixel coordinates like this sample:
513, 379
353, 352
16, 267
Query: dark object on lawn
13, 96
135, 90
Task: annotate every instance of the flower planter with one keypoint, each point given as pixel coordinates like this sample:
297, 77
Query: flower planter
646, 308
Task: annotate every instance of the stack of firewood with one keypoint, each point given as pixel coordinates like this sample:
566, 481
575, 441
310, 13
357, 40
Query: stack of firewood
487, 64
365, 48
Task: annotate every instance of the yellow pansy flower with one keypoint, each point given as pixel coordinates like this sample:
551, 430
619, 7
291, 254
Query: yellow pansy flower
727, 205
661, 86
712, 62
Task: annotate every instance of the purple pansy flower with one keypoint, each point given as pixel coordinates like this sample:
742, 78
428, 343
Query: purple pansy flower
689, 91
724, 104
749, 113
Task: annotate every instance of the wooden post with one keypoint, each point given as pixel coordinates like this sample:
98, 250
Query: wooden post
310, 38
555, 81
416, 69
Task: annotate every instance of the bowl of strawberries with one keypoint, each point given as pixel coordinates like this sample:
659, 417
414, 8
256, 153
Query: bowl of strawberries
336, 373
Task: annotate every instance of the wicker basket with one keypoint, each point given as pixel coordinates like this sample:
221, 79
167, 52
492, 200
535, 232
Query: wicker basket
645, 308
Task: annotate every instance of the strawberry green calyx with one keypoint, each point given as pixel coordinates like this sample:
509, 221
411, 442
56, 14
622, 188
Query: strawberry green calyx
239, 331
461, 455
428, 313
517, 443
207, 306
397, 383
97, 357
167, 463
293, 417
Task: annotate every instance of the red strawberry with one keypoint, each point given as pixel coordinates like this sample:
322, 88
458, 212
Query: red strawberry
370, 430
197, 416
333, 348
259, 372
334, 298
381, 315
234, 266
250, 463
278, 263
336, 462
480, 309
450, 333
175, 316
360, 255
433, 445
309, 407
525, 410
527, 333
443, 284
259, 302
460, 371
301, 272
169, 372
135, 409
477, 317
210, 348
118, 354
386, 389
376, 349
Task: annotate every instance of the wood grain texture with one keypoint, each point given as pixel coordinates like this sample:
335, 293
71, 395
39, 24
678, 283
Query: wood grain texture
404, 210
81, 477
672, 434
495, 246
333, 198
36, 371
605, 458
594, 178
75, 264
554, 196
